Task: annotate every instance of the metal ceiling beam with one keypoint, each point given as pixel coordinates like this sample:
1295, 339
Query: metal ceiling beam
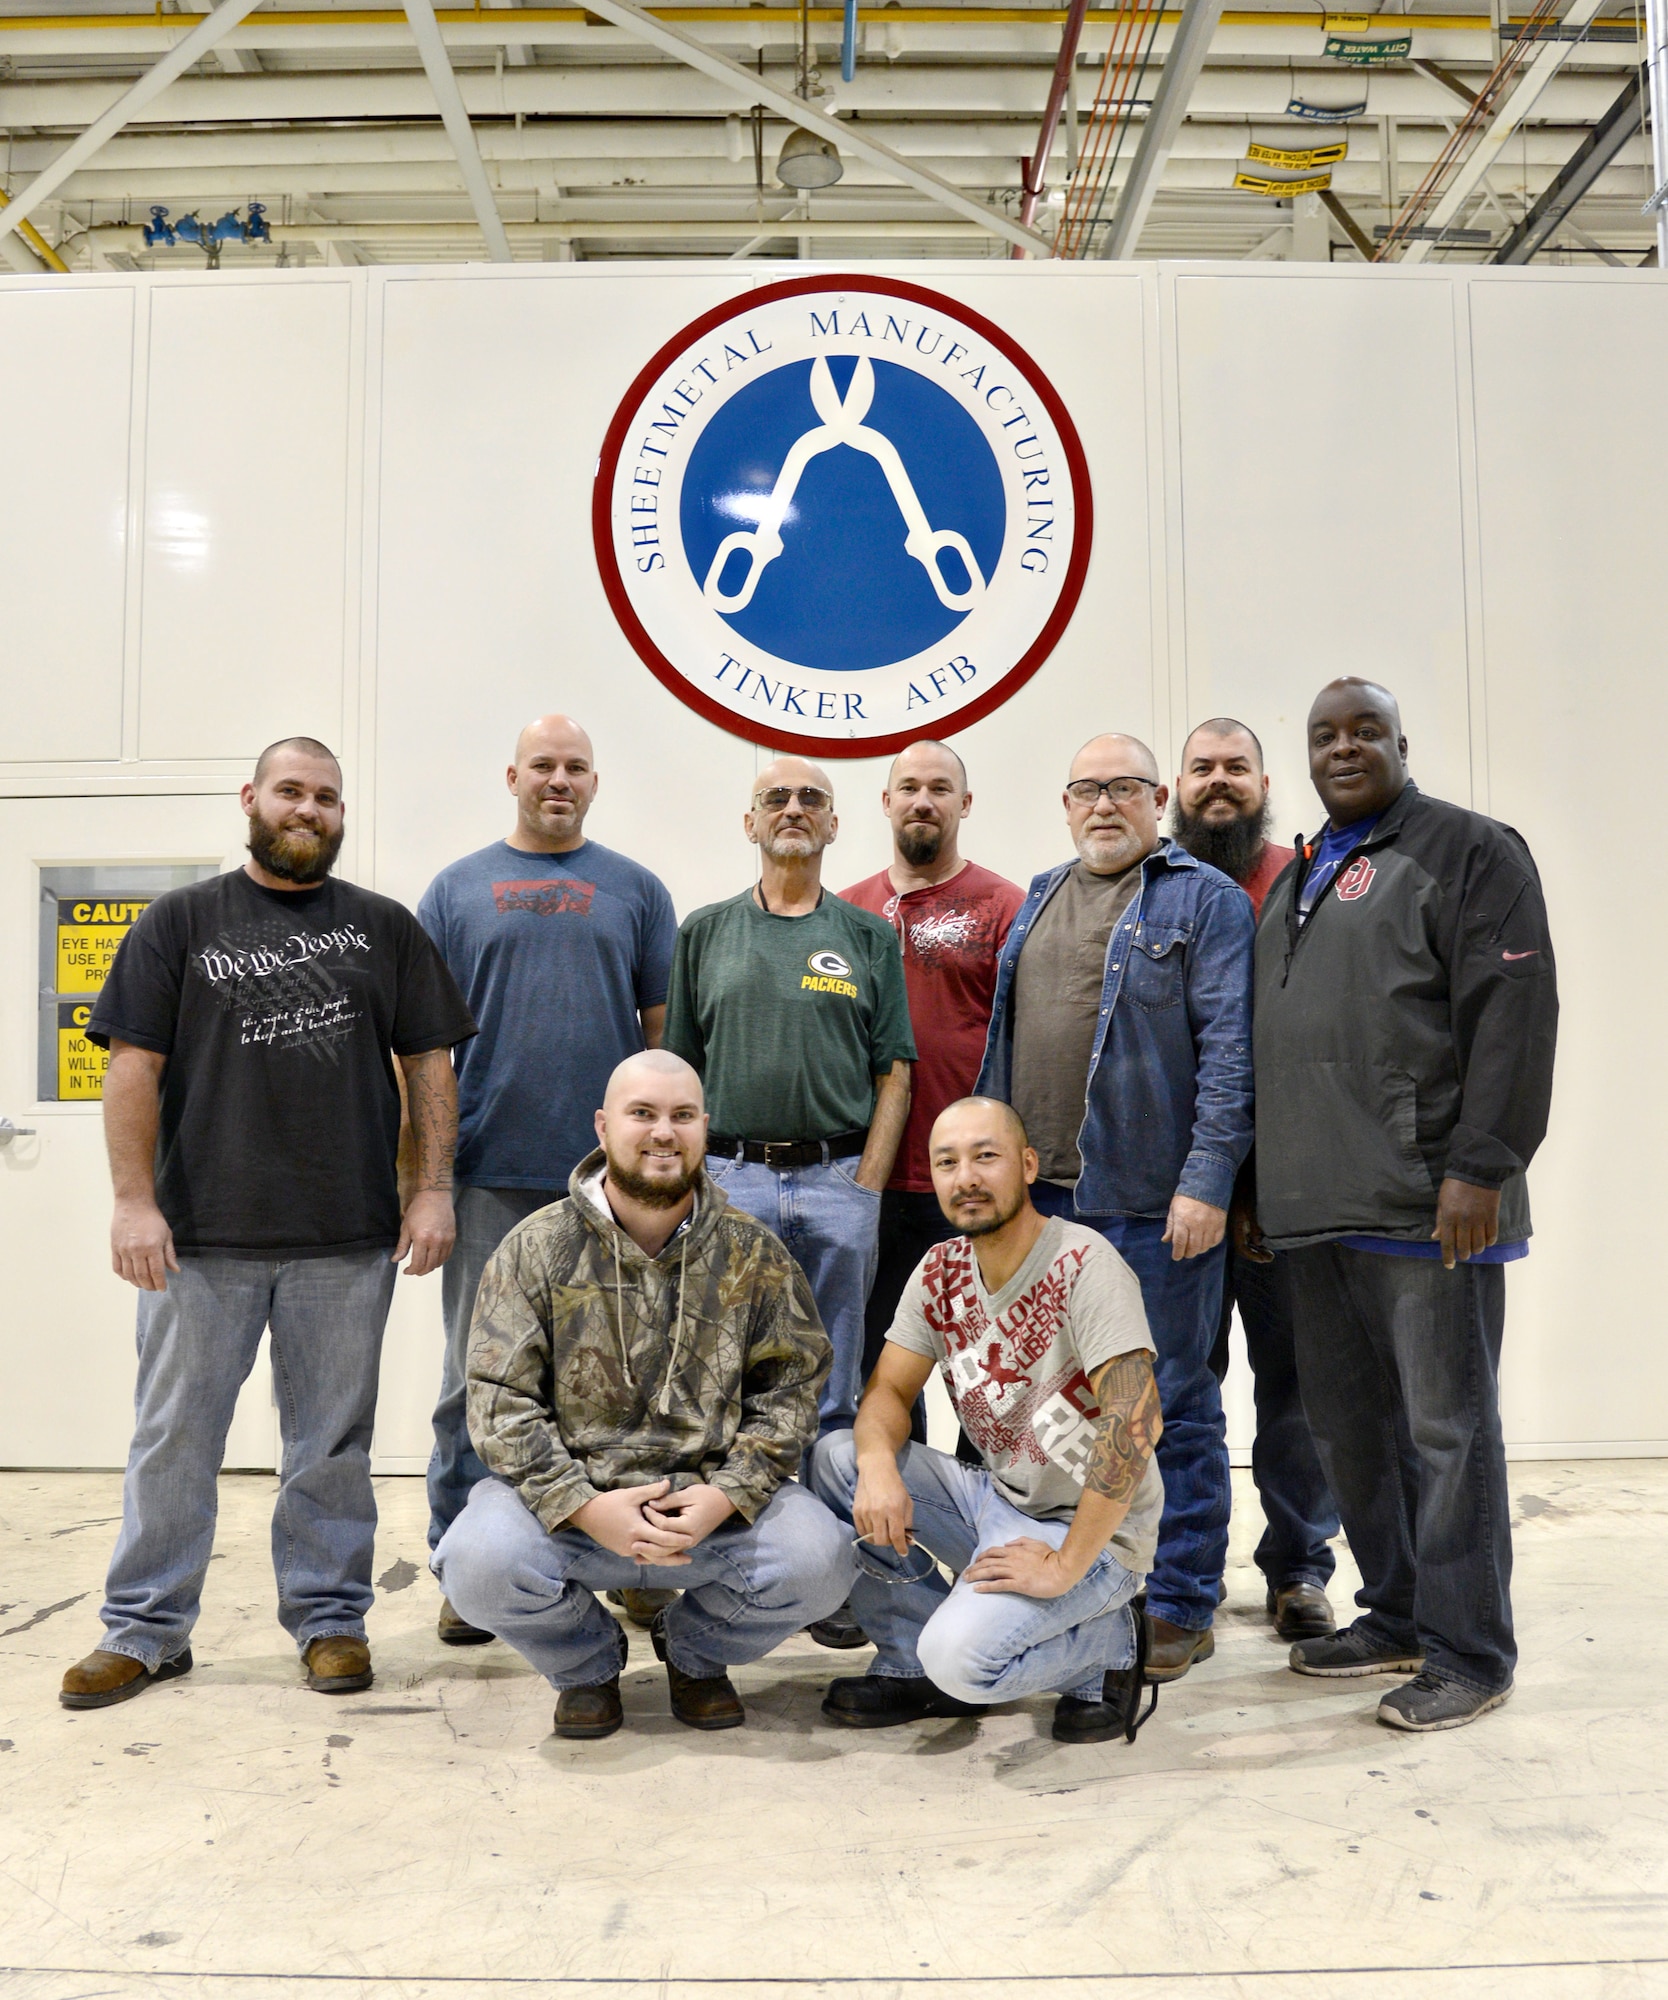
1589, 160
750, 88
1500, 128
426, 29
191, 48
1181, 71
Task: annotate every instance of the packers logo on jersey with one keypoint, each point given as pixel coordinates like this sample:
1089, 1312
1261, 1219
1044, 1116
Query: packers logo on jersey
829, 973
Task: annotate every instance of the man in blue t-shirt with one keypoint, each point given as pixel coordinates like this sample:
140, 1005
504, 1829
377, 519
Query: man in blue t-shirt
564, 949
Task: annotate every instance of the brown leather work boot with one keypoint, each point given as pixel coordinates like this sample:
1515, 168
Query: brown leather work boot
1301, 1611
451, 1630
642, 1607
703, 1704
102, 1678
339, 1664
589, 1711
1172, 1649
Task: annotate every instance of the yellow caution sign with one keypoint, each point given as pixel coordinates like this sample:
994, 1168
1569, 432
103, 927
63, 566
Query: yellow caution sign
90, 932
1261, 184
1298, 158
81, 1065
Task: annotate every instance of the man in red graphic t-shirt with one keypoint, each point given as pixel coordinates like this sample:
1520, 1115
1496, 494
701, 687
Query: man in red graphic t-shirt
952, 919
1221, 816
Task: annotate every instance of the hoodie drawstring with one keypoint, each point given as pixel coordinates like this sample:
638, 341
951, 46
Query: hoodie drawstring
665, 1404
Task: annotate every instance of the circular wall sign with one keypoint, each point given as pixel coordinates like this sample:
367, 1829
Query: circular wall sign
840, 514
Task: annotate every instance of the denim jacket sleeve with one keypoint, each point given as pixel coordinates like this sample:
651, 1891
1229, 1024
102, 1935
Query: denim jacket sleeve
1219, 1009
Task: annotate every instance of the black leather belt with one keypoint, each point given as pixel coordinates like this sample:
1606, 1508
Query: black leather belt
781, 1154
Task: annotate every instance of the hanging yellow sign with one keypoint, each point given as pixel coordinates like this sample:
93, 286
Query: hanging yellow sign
81, 1064
90, 932
1298, 158
1261, 184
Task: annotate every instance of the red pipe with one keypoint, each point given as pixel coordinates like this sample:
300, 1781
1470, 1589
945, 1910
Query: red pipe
1036, 167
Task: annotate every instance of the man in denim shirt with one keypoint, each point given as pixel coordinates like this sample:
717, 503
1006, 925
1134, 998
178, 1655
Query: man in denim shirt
1121, 1034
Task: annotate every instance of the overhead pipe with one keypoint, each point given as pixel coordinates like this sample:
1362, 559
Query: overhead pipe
211, 29
36, 241
1656, 57
1036, 168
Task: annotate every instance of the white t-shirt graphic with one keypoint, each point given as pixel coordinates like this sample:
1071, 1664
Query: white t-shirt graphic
1017, 1365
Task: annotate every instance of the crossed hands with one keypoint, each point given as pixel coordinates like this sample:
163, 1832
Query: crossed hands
652, 1524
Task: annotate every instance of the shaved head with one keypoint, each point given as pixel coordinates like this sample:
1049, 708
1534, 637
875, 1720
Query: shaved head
1350, 691
651, 1067
989, 1111
557, 729
792, 771
1128, 753
1222, 727
554, 779
308, 747
1357, 752
922, 756
982, 1166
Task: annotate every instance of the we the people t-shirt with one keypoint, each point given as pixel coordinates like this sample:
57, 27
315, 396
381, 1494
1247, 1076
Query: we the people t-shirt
1017, 1364
951, 935
558, 955
277, 1011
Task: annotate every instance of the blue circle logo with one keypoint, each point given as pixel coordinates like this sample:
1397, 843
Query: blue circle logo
843, 513
838, 517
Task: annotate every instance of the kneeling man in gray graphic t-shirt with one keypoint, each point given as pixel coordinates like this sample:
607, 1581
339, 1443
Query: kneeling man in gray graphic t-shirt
1038, 1327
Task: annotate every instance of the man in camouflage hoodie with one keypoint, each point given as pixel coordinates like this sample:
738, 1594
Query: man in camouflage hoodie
644, 1365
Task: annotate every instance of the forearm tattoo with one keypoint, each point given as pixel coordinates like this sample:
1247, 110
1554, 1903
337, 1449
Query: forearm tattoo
434, 1119
1127, 1428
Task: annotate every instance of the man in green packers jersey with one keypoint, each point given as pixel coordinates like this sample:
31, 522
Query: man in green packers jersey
791, 1005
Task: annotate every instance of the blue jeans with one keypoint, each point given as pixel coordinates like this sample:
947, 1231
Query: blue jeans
744, 1590
485, 1216
1297, 1503
980, 1646
197, 1343
831, 1228
1183, 1302
1397, 1348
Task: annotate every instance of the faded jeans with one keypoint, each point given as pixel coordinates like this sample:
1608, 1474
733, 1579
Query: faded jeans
831, 1226
744, 1590
197, 1344
485, 1216
1392, 1348
978, 1646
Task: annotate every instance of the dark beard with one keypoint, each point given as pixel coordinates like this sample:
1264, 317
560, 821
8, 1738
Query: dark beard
919, 843
652, 1194
1233, 847
999, 1221
303, 858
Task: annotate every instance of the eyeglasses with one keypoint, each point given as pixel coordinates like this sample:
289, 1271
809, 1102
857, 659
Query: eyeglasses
812, 797
885, 1566
1121, 791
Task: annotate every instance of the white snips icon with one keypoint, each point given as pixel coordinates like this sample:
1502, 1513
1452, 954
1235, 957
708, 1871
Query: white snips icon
842, 423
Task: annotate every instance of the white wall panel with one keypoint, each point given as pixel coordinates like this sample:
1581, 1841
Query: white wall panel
1572, 442
1320, 487
246, 516
1449, 480
63, 520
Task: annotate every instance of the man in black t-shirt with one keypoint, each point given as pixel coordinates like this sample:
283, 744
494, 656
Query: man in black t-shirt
252, 1117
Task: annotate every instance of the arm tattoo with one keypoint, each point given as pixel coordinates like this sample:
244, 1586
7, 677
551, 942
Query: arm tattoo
434, 1117
1127, 1428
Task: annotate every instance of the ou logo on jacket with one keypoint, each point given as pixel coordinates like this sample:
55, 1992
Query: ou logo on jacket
835, 515
1356, 880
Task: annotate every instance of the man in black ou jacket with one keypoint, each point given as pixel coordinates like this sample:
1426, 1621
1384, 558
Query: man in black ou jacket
1406, 1014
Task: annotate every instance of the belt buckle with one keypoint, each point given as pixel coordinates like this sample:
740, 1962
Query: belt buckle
778, 1155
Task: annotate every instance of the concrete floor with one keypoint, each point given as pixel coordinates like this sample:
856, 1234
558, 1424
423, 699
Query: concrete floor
236, 1836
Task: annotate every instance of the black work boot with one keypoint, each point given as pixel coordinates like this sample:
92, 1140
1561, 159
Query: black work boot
878, 1701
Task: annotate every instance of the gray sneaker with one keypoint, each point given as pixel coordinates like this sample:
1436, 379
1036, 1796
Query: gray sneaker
1345, 1655
1430, 1702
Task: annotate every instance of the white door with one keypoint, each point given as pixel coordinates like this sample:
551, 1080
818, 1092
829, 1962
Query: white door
66, 1320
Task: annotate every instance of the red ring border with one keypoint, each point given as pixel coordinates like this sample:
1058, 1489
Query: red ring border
678, 684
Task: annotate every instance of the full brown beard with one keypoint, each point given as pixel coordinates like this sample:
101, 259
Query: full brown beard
652, 1194
291, 855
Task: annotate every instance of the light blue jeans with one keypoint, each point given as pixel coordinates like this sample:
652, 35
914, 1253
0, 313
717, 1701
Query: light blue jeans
980, 1646
485, 1216
744, 1590
831, 1226
197, 1344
